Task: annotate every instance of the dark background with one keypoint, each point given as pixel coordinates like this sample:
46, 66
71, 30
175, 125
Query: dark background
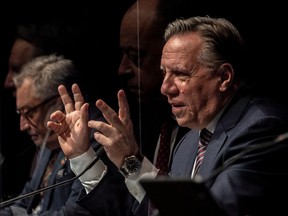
95, 53
262, 25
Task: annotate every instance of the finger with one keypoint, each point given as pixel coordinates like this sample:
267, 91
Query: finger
78, 97
58, 122
101, 126
100, 138
66, 99
109, 114
84, 115
124, 112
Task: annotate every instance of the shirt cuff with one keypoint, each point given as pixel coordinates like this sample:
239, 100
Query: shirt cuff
148, 170
93, 175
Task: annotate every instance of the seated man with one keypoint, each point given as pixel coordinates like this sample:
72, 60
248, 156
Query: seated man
202, 63
30, 40
36, 99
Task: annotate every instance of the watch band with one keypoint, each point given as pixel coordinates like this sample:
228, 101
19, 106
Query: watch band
132, 165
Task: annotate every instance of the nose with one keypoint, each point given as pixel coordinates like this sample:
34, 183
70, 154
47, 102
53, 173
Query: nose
24, 124
168, 86
125, 66
9, 84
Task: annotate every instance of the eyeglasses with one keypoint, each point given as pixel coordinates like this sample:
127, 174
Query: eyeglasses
29, 114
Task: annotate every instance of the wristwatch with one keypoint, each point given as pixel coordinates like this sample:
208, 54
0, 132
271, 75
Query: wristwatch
132, 165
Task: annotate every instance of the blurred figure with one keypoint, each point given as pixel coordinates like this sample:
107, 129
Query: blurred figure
36, 98
141, 77
30, 40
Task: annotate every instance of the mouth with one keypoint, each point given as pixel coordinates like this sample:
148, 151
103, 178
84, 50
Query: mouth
176, 107
33, 137
175, 104
134, 89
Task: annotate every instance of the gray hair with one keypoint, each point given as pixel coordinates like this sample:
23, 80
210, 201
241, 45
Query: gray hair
47, 73
222, 42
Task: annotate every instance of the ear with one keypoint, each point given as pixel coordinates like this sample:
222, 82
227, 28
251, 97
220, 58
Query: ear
227, 76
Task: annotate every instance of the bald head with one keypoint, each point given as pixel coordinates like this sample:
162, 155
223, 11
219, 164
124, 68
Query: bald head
139, 18
141, 42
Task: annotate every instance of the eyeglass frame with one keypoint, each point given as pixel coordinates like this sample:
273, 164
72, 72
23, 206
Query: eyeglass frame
32, 109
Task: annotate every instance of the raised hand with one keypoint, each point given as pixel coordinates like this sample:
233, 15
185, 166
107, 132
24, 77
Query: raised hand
116, 136
71, 127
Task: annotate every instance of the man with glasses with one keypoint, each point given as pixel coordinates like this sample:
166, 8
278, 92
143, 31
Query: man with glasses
29, 41
29, 114
36, 98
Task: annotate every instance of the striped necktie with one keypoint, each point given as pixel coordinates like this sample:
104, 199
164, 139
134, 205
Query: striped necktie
205, 136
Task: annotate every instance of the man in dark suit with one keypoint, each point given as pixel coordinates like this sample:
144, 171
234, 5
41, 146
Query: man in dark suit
29, 41
203, 62
36, 99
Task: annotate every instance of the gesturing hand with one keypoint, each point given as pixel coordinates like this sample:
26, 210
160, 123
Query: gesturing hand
71, 127
116, 136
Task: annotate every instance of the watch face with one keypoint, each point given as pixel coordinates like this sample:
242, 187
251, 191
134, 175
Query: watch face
133, 164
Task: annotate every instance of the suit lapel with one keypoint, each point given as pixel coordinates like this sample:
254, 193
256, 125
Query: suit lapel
228, 120
52, 178
184, 155
42, 162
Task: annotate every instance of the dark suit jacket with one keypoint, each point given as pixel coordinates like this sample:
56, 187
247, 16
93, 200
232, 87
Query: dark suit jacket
253, 185
58, 201
61, 200
257, 181
111, 196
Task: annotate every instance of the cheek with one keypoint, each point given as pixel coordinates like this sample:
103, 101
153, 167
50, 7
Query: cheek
40, 124
41, 129
194, 96
184, 87
189, 89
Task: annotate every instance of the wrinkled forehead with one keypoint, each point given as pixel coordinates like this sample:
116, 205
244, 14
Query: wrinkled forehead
183, 46
24, 93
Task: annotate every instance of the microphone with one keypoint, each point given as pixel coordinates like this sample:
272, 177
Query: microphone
99, 152
238, 156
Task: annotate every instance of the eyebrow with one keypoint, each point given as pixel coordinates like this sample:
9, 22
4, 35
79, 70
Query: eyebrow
35, 106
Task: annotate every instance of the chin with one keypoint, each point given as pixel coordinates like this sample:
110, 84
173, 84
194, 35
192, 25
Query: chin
38, 143
182, 122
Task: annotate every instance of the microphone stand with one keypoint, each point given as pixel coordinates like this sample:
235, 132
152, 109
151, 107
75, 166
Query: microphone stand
23, 196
